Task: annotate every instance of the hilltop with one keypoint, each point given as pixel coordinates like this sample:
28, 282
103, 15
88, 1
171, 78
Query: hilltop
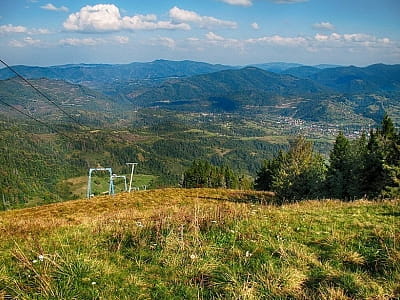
207, 243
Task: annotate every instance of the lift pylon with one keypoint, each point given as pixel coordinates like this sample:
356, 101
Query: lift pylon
111, 182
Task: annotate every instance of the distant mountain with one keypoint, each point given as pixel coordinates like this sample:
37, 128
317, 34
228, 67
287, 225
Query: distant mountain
302, 72
81, 73
326, 66
84, 104
374, 78
250, 83
276, 67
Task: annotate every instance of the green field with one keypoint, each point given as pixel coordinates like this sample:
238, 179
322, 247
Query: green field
201, 244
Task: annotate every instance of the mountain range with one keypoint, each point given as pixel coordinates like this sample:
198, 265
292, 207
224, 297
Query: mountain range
305, 92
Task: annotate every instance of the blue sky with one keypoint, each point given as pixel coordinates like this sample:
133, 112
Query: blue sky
235, 32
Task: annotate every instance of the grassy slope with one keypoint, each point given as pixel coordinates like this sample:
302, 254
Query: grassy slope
201, 243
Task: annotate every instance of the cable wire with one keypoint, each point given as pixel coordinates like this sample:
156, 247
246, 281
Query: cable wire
42, 94
37, 120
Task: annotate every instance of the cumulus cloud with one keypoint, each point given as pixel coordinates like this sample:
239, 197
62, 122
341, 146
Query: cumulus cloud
40, 31
353, 40
324, 26
51, 7
279, 40
220, 41
107, 17
80, 42
255, 26
239, 2
164, 42
12, 29
214, 37
121, 39
26, 42
182, 15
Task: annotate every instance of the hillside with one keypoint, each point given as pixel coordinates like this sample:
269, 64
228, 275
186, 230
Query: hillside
83, 73
226, 83
372, 79
184, 244
84, 104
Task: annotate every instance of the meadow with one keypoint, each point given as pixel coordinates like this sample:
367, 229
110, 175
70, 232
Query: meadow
201, 244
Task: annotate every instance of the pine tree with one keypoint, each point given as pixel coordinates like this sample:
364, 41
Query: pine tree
381, 175
301, 173
340, 175
265, 177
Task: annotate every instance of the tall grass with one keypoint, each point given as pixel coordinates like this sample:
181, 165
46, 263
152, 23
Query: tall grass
201, 244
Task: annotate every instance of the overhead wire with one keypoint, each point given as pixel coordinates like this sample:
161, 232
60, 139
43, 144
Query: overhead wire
35, 119
86, 127
41, 93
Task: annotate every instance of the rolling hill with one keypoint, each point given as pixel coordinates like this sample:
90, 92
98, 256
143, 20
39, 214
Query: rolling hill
76, 100
225, 83
371, 79
104, 73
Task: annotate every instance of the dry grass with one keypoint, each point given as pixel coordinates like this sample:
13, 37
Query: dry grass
47, 217
201, 243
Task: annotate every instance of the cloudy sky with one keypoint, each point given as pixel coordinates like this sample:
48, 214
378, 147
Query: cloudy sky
235, 32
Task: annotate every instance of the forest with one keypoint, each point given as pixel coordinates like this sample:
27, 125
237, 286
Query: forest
366, 167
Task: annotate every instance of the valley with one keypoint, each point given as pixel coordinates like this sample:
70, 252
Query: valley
165, 115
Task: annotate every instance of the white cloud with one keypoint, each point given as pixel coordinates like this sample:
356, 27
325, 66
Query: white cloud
107, 17
214, 37
255, 26
357, 37
324, 26
353, 40
193, 39
121, 39
4, 29
40, 31
279, 40
220, 41
239, 2
181, 15
11, 29
321, 37
28, 41
51, 7
163, 41
16, 44
80, 42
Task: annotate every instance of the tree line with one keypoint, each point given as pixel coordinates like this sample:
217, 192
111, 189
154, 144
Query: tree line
365, 167
203, 174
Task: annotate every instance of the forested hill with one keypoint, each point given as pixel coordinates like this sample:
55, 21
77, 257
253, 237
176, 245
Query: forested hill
83, 103
105, 73
229, 82
374, 78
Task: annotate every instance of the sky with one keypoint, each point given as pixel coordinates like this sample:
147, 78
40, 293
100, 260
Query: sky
233, 32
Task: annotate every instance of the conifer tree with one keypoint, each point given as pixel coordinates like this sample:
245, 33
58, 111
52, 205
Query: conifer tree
340, 177
301, 173
268, 172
